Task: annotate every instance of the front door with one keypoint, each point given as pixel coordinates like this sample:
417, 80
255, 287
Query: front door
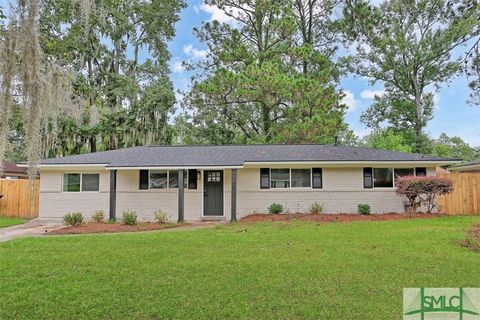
213, 193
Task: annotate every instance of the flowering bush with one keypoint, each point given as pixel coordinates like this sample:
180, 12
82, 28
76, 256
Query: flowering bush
422, 190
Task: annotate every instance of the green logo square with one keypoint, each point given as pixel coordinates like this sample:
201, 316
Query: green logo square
441, 303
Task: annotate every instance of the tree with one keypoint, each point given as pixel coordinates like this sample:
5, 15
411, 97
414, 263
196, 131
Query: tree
265, 80
472, 69
472, 56
129, 97
387, 140
452, 147
38, 86
407, 45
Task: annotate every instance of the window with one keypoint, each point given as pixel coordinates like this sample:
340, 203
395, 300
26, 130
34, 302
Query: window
383, 177
290, 178
173, 178
158, 179
404, 172
90, 182
421, 172
71, 182
76, 182
162, 179
280, 178
214, 176
301, 178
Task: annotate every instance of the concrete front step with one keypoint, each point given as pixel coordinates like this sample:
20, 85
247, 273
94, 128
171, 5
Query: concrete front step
213, 218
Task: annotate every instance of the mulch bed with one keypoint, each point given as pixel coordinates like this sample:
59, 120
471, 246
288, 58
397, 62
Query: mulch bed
341, 217
100, 227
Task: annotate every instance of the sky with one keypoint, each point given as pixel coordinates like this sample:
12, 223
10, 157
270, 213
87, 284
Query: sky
452, 115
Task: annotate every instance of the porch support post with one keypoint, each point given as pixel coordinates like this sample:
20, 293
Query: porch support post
234, 196
181, 197
113, 195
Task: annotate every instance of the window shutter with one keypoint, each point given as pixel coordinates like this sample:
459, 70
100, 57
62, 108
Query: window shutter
192, 179
264, 178
143, 179
421, 172
317, 178
367, 178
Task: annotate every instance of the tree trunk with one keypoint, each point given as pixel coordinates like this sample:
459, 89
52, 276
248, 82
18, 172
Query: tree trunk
93, 144
111, 143
266, 123
418, 113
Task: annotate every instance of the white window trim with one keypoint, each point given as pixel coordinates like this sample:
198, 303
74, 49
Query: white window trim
393, 177
81, 182
290, 180
168, 179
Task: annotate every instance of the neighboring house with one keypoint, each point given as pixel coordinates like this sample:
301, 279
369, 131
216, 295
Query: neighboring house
227, 181
471, 167
12, 171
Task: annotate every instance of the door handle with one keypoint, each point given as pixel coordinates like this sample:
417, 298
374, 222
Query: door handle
204, 193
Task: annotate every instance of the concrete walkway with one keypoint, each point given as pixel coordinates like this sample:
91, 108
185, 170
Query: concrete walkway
37, 228
31, 228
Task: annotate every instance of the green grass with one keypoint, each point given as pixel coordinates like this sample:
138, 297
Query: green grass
295, 270
8, 221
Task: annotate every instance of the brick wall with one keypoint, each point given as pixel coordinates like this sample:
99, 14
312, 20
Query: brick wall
54, 203
342, 192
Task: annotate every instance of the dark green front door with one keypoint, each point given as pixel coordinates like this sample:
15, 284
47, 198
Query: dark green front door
213, 193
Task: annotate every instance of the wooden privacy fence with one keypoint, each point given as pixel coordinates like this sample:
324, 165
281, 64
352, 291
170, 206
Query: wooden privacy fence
465, 198
19, 198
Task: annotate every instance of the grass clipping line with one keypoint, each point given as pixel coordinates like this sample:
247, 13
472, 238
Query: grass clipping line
472, 241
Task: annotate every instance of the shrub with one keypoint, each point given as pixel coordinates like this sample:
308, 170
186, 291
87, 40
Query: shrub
275, 208
130, 218
473, 238
98, 215
161, 216
363, 208
422, 191
74, 219
316, 208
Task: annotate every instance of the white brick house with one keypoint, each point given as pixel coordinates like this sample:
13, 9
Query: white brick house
227, 182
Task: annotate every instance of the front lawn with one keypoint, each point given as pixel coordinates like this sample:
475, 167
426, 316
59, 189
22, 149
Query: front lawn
271, 270
9, 221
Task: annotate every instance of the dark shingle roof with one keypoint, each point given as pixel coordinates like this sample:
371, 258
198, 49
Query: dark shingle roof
11, 167
466, 164
236, 155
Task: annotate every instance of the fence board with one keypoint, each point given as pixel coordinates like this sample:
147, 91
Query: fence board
465, 198
20, 198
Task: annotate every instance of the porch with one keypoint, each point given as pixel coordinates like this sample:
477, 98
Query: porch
205, 194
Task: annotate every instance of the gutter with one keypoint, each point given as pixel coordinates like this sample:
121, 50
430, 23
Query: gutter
255, 164
346, 163
175, 167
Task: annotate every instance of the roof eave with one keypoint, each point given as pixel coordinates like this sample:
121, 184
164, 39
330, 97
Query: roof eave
171, 167
465, 167
356, 162
71, 165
